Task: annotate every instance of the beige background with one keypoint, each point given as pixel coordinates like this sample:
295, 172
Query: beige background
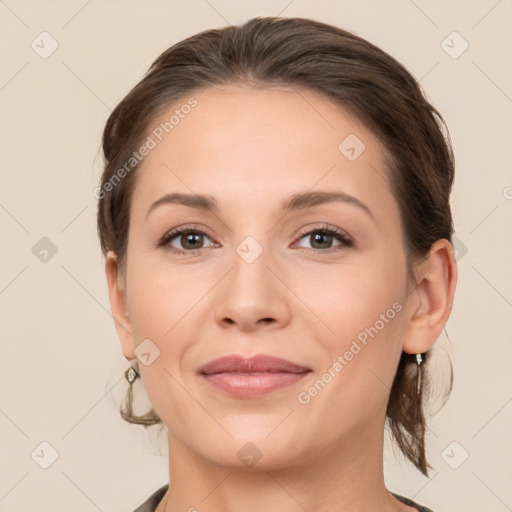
61, 363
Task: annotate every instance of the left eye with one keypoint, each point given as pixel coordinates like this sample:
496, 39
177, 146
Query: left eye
325, 237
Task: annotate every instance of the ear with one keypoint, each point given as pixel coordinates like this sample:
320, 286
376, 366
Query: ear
432, 300
117, 296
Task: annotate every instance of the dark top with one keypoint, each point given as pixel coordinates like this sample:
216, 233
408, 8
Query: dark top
152, 502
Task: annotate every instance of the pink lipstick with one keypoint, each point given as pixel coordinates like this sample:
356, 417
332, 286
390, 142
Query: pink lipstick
256, 376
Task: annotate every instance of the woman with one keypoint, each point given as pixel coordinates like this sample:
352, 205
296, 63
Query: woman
274, 212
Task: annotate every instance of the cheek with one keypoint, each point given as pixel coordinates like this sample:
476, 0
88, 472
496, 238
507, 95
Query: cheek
368, 320
168, 305
352, 298
362, 312
161, 301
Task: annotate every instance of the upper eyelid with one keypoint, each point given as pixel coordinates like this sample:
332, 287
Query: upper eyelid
205, 231
181, 229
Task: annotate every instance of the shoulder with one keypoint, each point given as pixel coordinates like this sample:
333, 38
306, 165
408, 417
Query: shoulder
407, 501
152, 502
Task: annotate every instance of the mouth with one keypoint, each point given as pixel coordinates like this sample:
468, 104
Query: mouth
253, 377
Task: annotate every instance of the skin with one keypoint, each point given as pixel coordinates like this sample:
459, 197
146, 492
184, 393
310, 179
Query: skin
251, 149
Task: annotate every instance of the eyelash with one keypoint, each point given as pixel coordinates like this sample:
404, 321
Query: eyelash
339, 235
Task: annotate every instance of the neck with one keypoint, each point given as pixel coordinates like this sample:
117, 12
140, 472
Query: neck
344, 477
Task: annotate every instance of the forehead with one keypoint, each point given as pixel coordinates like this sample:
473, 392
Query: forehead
249, 146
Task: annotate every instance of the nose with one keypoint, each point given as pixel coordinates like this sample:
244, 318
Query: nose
252, 297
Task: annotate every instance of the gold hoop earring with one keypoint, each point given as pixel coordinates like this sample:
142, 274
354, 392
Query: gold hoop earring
127, 413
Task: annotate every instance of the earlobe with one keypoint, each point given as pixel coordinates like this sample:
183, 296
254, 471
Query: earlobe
117, 296
432, 298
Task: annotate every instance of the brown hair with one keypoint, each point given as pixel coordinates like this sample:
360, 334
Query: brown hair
352, 72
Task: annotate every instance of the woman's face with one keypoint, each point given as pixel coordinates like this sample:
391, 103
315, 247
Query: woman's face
264, 280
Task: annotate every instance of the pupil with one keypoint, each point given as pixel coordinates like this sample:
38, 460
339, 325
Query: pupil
318, 236
190, 238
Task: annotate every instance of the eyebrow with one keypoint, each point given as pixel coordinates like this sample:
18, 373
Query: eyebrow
299, 201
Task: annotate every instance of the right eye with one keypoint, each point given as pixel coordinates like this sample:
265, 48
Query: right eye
189, 237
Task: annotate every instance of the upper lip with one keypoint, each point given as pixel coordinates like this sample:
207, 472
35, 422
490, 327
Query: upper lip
258, 363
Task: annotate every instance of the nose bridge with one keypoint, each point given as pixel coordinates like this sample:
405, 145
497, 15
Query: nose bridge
250, 275
252, 292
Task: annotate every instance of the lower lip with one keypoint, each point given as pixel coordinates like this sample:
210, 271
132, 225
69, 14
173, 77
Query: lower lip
247, 385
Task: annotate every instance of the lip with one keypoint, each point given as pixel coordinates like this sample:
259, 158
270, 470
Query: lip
258, 363
255, 376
